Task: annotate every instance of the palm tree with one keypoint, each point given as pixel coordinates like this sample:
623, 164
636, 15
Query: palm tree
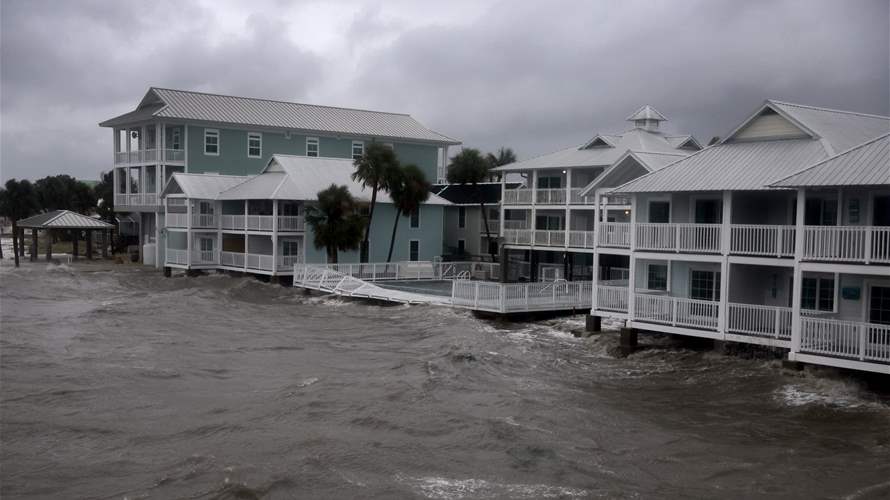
334, 221
373, 170
408, 190
470, 167
505, 156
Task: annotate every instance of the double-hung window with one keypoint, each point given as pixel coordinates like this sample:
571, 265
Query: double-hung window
312, 146
176, 139
254, 145
656, 277
358, 149
704, 285
415, 219
211, 142
461, 217
817, 294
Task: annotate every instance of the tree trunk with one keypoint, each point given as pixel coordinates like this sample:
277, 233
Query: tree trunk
365, 251
392, 239
15, 242
332, 255
487, 231
1, 246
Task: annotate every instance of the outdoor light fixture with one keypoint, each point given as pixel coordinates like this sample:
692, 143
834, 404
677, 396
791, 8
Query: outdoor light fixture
627, 212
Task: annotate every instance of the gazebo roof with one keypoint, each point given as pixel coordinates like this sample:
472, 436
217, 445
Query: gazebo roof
62, 219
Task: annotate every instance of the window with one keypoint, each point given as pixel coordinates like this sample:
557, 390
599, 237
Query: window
205, 207
549, 182
414, 250
206, 244
176, 139
659, 211
461, 217
704, 285
820, 212
122, 180
879, 305
254, 145
657, 277
290, 248
211, 142
312, 146
461, 247
708, 211
358, 149
817, 294
415, 219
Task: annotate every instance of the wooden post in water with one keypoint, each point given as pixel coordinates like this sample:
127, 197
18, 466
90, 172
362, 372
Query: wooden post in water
33, 244
15, 243
22, 242
105, 241
49, 244
89, 243
74, 244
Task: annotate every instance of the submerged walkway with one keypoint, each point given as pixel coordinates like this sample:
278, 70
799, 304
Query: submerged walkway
355, 280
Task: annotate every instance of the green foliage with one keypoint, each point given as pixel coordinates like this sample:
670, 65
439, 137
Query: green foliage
103, 192
63, 192
375, 170
18, 199
468, 167
408, 188
505, 156
334, 221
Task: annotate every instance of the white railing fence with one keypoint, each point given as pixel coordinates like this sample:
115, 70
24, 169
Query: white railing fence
259, 222
518, 297
676, 311
202, 257
611, 298
614, 234
847, 243
754, 239
291, 223
581, 239
233, 259
175, 220
555, 196
577, 199
204, 220
518, 236
261, 262
232, 221
518, 196
759, 321
176, 256
845, 339
550, 238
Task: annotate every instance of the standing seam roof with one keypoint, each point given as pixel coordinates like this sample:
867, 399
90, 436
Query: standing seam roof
867, 164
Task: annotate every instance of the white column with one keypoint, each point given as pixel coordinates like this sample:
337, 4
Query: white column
798, 274
274, 236
631, 287
534, 196
596, 278
188, 232
722, 313
568, 205
633, 222
503, 193
157, 239
246, 239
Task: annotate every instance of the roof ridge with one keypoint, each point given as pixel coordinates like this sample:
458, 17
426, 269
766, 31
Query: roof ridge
59, 214
831, 157
280, 101
662, 169
637, 151
832, 110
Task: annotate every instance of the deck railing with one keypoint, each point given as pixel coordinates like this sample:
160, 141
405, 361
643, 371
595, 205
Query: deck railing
203, 221
518, 236
577, 199
763, 240
581, 239
261, 262
697, 238
176, 220
286, 262
847, 243
232, 259
517, 196
845, 339
174, 155
149, 156
515, 224
175, 256
554, 196
291, 223
203, 257
136, 199
676, 311
232, 221
516, 297
614, 234
550, 238
759, 321
259, 222
611, 298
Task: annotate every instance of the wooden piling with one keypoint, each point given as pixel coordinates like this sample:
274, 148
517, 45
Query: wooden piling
74, 244
89, 243
15, 243
33, 252
49, 244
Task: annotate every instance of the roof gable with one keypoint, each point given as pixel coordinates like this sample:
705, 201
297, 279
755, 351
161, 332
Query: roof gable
769, 124
598, 141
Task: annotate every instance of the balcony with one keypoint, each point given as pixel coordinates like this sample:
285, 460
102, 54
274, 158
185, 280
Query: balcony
232, 222
577, 199
611, 298
845, 339
136, 200
555, 196
676, 311
614, 234
143, 156
581, 239
517, 197
176, 220
693, 238
762, 240
759, 321
862, 244
547, 238
203, 221
291, 223
259, 222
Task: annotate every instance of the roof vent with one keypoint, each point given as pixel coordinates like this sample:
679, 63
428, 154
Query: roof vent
647, 118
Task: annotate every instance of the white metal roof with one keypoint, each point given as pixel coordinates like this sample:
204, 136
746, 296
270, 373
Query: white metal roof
290, 177
635, 139
61, 219
867, 164
214, 108
649, 162
646, 112
753, 165
202, 186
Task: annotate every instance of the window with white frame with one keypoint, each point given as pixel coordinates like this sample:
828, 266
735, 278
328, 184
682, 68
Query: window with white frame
312, 146
414, 250
358, 149
461, 217
817, 294
254, 145
211, 142
657, 277
704, 285
415, 219
176, 139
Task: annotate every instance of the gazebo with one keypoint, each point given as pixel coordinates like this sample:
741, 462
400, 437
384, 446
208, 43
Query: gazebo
57, 220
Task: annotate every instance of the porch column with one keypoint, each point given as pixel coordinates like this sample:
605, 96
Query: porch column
89, 244
533, 226
596, 279
48, 234
568, 206
633, 222
157, 237
188, 233
503, 215
74, 244
631, 288
274, 236
798, 274
725, 241
246, 251
33, 252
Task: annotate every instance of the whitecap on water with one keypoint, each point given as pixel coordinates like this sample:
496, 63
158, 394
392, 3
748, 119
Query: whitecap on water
818, 390
454, 489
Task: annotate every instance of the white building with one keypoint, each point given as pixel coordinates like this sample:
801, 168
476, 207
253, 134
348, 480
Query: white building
778, 235
548, 223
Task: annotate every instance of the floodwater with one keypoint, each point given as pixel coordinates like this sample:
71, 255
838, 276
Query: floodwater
120, 383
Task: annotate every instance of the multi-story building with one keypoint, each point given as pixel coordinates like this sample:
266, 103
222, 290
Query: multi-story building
174, 131
256, 223
778, 235
467, 233
548, 223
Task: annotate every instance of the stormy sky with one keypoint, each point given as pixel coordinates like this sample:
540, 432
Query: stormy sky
536, 76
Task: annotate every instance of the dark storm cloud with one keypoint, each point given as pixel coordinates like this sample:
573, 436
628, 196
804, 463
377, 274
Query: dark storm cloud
536, 76
541, 76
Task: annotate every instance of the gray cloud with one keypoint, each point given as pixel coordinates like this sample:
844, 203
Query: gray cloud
535, 76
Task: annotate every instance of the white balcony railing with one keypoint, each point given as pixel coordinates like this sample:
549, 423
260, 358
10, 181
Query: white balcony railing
203, 257
510, 297
203, 221
136, 199
232, 222
554, 196
232, 259
291, 223
517, 196
174, 155
494, 227
577, 199
175, 256
547, 238
259, 222
614, 234
149, 156
518, 236
763, 240
759, 321
697, 238
676, 311
847, 243
286, 262
581, 239
845, 339
260, 261
176, 220
611, 298
515, 224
